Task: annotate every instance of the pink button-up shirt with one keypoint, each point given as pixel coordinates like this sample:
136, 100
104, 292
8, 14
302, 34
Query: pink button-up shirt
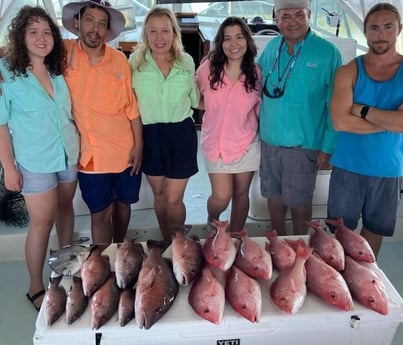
230, 120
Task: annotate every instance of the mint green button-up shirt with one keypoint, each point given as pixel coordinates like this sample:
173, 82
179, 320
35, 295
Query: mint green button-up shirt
165, 100
43, 134
301, 117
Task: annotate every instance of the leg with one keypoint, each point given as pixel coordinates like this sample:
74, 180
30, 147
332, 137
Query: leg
120, 220
221, 192
277, 212
299, 215
101, 226
65, 212
157, 186
168, 202
374, 240
42, 211
174, 190
240, 200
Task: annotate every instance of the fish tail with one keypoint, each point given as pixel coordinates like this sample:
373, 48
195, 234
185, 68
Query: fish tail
303, 251
55, 281
162, 245
338, 223
294, 244
314, 224
272, 234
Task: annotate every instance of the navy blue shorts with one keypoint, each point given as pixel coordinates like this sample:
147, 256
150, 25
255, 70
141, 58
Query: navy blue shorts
170, 149
375, 199
100, 190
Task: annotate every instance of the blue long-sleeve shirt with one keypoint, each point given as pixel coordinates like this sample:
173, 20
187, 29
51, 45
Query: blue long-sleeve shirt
301, 117
43, 134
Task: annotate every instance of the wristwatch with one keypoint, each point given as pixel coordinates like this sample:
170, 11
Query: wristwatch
364, 111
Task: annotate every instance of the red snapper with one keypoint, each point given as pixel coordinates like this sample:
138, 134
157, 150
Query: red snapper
128, 259
156, 287
353, 243
244, 294
187, 256
282, 255
326, 246
324, 281
207, 296
104, 303
289, 289
251, 258
94, 272
219, 249
366, 286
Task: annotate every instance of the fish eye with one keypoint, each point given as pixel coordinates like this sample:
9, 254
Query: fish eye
371, 300
207, 310
158, 310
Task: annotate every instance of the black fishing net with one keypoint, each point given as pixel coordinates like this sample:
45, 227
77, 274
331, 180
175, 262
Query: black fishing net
12, 206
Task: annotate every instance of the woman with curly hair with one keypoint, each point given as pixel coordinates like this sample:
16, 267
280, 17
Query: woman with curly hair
229, 83
38, 138
165, 85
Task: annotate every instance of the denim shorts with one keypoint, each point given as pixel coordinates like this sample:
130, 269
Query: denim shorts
100, 190
375, 199
288, 172
35, 183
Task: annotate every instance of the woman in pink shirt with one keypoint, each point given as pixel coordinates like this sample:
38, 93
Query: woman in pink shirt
229, 83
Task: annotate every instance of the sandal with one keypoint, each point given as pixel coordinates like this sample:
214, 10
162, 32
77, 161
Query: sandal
34, 297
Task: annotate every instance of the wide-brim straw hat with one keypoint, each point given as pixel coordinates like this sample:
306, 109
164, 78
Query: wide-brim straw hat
116, 18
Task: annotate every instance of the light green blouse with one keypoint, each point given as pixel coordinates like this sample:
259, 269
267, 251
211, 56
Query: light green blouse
165, 100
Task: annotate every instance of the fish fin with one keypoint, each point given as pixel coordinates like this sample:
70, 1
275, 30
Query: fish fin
149, 278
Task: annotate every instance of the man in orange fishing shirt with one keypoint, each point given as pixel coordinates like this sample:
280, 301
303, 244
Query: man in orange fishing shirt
106, 113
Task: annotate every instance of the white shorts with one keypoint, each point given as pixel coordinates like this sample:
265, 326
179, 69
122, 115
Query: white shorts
250, 161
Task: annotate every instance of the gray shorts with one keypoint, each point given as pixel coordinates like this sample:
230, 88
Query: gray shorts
375, 199
35, 183
288, 172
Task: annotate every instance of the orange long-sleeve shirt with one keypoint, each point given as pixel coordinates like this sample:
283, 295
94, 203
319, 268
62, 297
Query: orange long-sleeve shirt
103, 105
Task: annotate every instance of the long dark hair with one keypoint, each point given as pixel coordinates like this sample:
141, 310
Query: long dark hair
16, 51
219, 60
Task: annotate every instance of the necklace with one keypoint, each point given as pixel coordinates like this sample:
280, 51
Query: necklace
290, 64
278, 91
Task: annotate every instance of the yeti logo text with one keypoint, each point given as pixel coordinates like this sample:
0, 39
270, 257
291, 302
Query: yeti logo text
229, 342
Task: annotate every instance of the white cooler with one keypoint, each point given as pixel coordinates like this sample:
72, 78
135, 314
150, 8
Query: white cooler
316, 323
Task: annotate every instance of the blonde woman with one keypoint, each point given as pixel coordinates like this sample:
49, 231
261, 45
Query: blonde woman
164, 82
